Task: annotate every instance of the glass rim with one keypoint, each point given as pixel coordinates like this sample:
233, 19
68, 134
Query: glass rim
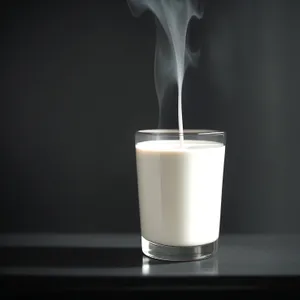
185, 131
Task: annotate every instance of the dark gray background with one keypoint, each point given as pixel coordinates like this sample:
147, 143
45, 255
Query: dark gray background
77, 82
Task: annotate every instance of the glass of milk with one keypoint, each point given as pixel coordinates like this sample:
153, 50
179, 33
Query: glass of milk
180, 180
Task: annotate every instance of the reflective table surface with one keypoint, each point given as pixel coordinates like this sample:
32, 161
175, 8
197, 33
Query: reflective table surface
108, 261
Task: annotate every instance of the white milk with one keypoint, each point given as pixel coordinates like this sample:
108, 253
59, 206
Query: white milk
180, 191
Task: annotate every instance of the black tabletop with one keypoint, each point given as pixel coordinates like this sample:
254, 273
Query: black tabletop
116, 261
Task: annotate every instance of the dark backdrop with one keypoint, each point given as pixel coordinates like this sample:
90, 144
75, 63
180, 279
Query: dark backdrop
77, 82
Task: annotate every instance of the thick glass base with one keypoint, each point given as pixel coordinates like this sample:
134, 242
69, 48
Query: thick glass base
178, 253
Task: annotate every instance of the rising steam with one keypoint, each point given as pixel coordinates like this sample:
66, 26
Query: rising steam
172, 54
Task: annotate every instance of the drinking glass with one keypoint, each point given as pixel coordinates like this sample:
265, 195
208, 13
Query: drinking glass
180, 181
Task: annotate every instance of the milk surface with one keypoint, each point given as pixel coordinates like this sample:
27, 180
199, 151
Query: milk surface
180, 190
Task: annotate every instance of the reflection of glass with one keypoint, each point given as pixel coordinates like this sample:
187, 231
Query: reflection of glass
201, 267
180, 191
